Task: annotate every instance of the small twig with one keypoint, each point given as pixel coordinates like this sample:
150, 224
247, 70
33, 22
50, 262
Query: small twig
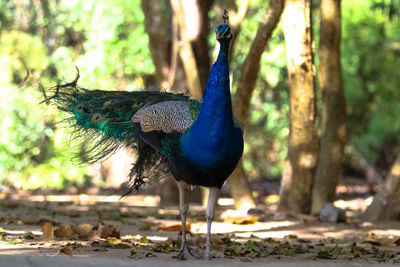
28, 75
46, 99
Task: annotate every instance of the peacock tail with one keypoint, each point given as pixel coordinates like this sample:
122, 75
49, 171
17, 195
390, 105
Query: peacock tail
101, 120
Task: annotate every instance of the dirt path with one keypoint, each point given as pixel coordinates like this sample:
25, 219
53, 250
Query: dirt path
109, 232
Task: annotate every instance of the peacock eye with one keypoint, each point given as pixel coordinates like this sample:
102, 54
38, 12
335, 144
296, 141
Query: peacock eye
79, 107
96, 117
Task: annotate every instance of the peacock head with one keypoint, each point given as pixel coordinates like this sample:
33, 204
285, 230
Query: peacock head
223, 33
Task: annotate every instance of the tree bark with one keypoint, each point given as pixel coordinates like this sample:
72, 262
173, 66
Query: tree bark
236, 17
165, 51
238, 181
200, 45
301, 162
156, 19
386, 203
334, 119
251, 65
186, 52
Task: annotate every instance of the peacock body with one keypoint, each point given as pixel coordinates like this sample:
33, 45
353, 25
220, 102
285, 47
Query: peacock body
200, 141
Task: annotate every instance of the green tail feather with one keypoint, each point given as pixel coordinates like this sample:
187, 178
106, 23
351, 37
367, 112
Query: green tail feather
102, 120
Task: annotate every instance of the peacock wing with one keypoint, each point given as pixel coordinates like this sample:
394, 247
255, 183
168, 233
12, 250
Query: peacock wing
167, 117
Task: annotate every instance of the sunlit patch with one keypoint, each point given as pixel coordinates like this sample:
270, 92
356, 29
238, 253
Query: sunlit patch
221, 228
226, 201
157, 238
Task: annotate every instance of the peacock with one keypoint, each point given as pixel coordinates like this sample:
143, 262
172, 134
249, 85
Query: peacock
199, 142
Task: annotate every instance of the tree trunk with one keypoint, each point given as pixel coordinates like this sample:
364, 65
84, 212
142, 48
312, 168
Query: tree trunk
334, 119
386, 203
200, 45
156, 19
238, 182
301, 162
164, 45
236, 17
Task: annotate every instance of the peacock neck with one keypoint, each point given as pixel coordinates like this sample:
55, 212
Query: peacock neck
216, 110
223, 53
215, 121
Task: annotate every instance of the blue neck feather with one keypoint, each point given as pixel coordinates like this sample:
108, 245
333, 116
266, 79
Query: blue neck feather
208, 138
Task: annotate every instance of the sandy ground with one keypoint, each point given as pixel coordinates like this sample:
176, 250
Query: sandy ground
276, 239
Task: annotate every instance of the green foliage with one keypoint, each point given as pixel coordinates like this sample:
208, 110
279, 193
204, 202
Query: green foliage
370, 56
108, 42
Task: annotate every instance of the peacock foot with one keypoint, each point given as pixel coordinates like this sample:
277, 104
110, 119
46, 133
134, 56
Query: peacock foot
185, 253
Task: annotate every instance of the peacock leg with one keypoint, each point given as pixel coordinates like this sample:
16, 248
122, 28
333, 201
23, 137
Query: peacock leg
212, 200
184, 189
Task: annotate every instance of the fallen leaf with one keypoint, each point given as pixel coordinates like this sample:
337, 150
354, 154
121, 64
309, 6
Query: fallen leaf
108, 230
175, 228
66, 251
123, 245
387, 241
83, 230
86, 249
28, 235
323, 254
136, 255
64, 231
47, 230
2, 230
112, 240
241, 220
101, 244
150, 255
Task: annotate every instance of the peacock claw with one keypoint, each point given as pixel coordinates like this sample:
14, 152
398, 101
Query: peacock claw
185, 253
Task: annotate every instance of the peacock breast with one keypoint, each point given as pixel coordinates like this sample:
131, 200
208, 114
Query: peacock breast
214, 149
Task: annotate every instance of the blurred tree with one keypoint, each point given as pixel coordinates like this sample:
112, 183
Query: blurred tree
386, 203
238, 181
302, 157
187, 37
333, 137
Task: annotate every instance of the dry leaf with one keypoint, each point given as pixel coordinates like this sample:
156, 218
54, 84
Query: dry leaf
66, 251
174, 228
112, 240
241, 220
2, 230
387, 241
47, 230
108, 230
64, 231
83, 230
123, 245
